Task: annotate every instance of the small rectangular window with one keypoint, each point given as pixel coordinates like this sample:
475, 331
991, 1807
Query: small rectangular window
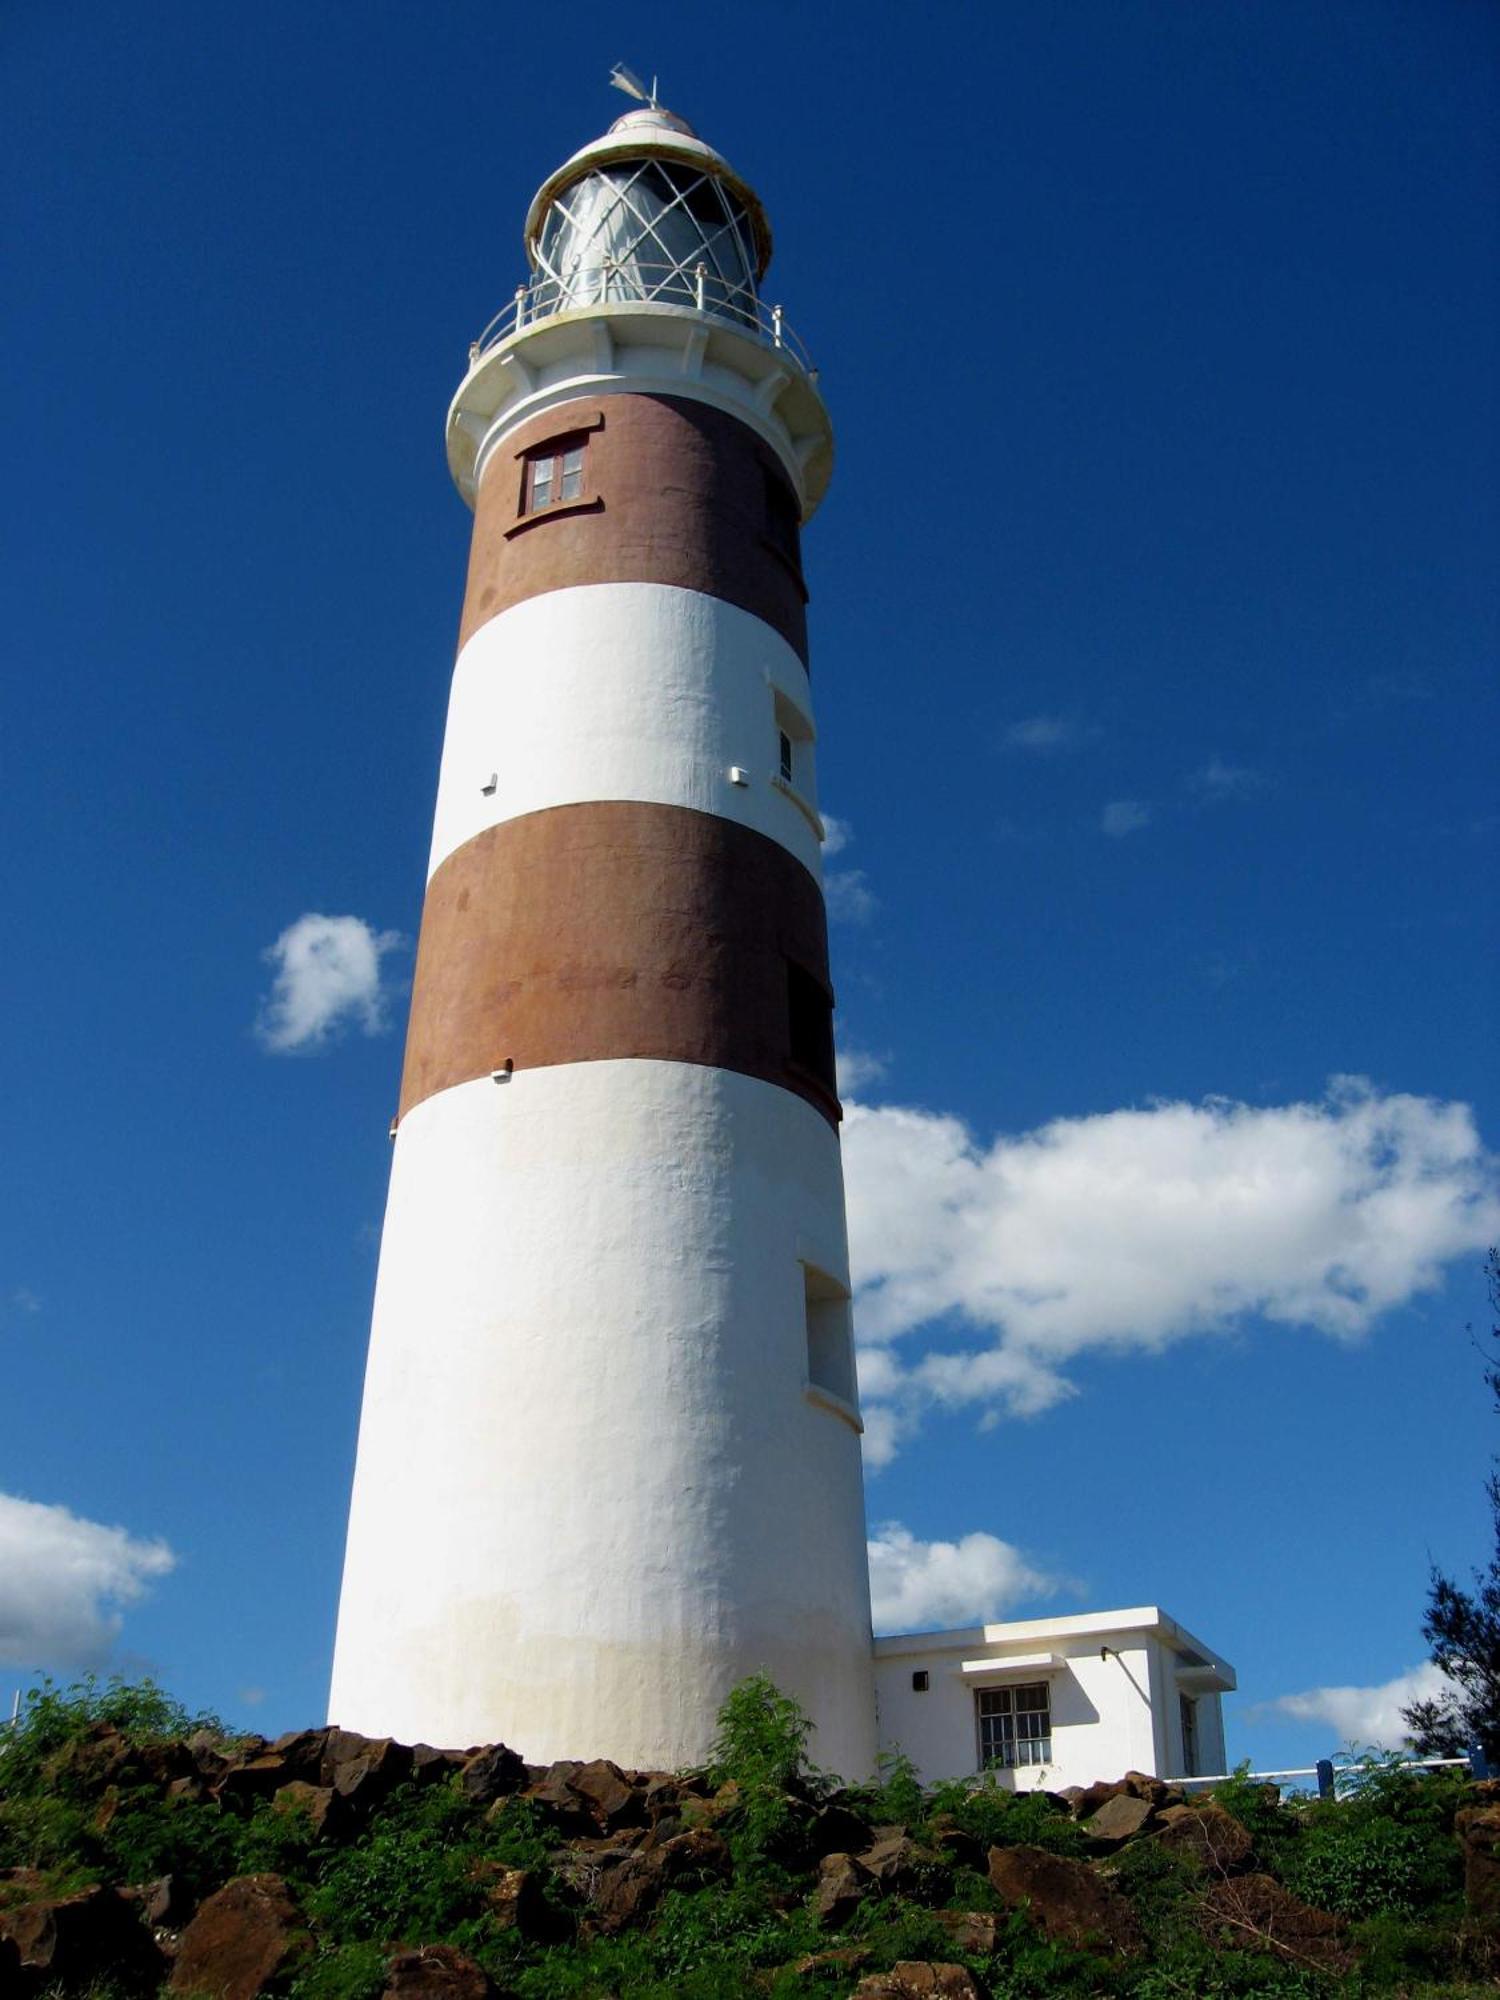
830, 1335
919, 1681
786, 756
1015, 1726
1188, 1710
554, 474
809, 1007
783, 518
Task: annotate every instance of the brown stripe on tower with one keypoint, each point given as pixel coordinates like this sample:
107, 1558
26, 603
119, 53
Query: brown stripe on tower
616, 929
675, 492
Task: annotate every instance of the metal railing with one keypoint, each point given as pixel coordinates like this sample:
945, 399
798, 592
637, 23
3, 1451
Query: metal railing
687, 287
1329, 1774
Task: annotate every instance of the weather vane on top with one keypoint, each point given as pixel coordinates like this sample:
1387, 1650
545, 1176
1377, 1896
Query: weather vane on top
627, 80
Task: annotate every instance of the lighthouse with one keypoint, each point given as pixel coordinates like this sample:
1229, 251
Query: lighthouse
609, 1447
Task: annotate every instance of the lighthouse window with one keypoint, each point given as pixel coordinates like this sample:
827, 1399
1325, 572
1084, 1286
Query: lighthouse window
810, 1025
554, 476
786, 756
830, 1340
783, 517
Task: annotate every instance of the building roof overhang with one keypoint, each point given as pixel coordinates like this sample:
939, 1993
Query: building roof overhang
1002, 1646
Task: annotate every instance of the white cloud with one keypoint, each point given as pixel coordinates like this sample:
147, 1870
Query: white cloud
61, 1579
837, 834
1132, 1229
1050, 732
327, 975
922, 1586
1217, 781
849, 897
1365, 1716
1122, 816
858, 1069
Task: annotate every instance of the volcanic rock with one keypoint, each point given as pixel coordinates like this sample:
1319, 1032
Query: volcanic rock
1067, 1899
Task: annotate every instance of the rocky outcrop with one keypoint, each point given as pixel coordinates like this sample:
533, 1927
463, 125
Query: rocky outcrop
1067, 1899
71, 1941
842, 1886
1206, 1835
1255, 1913
436, 1972
1120, 1818
244, 1938
560, 1855
919, 1979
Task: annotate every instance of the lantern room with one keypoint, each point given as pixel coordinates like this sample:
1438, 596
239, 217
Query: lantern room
648, 213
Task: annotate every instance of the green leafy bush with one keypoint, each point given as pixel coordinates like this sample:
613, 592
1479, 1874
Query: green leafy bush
761, 1741
348, 1972
897, 1797
992, 1813
412, 1877
196, 1843
1260, 1810
52, 1718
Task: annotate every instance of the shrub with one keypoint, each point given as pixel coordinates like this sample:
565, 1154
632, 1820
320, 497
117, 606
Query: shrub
761, 1740
1259, 1809
734, 1924
196, 1843
412, 1877
992, 1813
896, 1797
349, 1972
52, 1717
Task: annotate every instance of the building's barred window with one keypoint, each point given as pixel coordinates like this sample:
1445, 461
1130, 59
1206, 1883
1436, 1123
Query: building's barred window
1188, 1709
1015, 1725
553, 476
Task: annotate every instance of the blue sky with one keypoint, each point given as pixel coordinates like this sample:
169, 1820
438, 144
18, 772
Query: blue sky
1154, 626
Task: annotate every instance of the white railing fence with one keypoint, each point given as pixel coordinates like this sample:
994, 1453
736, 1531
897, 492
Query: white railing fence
694, 287
1331, 1774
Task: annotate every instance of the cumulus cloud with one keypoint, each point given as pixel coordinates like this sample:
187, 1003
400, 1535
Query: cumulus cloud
859, 1069
1050, 732
62, 1581
1365, 1716
328, 974
924, 1586
1132, 1229
1122, 816
1216, 782
837, 834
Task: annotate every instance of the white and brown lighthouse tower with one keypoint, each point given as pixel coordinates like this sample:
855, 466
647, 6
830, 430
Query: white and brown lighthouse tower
609, 1457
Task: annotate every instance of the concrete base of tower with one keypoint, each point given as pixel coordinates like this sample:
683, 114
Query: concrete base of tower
593, 1493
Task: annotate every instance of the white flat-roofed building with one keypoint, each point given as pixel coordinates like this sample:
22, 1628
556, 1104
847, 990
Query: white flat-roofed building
1051, 1702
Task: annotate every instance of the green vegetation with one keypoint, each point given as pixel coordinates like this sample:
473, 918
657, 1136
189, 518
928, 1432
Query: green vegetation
1462, 1627
709, 1887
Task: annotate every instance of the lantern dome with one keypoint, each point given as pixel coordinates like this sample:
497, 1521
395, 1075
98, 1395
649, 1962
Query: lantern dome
648, 212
